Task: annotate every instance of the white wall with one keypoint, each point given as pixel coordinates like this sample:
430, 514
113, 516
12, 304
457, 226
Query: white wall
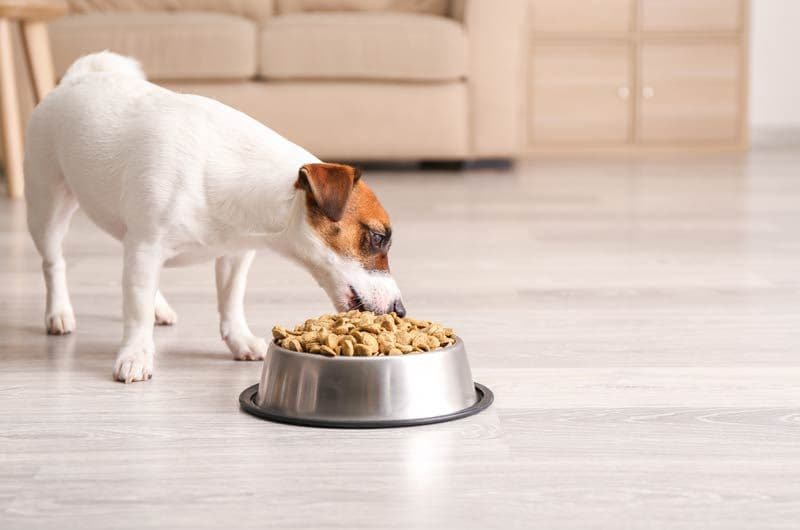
775, 64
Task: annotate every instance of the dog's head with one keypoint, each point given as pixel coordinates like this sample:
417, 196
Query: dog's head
349, 238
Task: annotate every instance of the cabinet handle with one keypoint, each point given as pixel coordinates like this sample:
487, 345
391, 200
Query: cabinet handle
623, 92
648, 92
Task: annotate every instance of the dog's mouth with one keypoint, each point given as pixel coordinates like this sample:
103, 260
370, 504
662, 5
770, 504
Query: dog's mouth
354, 301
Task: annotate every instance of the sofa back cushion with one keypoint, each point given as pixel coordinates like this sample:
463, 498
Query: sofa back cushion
170, 46
258, 10
430, 7
376, 46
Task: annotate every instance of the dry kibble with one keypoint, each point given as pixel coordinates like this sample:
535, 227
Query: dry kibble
385, 344
420, 341
371, 328
369, 340
364, 334
309, 337
347, 348
327, 352
402, 337
362, 350
331, 341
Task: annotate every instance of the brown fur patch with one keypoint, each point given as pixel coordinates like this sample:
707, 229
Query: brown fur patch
330, 185
350, 235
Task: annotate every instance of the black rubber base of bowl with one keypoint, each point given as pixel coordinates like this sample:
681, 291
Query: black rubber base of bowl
485, 398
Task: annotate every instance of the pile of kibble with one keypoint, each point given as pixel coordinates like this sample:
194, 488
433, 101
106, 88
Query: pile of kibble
364, 334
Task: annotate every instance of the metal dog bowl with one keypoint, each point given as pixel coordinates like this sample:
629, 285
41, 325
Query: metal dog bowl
366, 392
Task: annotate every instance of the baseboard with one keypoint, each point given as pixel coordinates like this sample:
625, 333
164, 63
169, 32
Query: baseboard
781, 136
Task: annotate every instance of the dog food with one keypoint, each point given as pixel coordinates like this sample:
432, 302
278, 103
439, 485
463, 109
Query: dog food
364, 334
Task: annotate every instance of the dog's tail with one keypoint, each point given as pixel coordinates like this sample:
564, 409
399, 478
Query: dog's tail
104, 61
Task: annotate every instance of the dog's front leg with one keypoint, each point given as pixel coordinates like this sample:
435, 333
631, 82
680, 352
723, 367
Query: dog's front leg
140, 273
231, 283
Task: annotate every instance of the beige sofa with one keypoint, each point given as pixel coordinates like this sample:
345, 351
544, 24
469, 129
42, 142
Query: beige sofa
347, 79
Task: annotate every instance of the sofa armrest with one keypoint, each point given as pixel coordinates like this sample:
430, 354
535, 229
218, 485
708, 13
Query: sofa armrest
496, 33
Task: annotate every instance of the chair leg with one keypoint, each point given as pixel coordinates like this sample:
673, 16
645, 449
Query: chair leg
9, 114
40, 60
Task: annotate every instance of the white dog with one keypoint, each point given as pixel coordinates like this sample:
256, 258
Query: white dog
181, 179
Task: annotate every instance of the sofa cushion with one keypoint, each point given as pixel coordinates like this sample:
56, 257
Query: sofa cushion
257, 10
431, 7
390, 46
188, 45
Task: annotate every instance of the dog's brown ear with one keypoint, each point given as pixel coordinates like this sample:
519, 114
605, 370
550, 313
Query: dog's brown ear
329, 186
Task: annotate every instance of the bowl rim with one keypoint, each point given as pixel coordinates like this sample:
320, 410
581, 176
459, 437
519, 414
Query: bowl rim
377, 358
484, 399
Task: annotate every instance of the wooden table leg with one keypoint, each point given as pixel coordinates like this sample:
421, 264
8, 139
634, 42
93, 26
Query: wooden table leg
40, 61
9, 113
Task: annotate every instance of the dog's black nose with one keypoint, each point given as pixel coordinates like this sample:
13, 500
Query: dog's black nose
399, 308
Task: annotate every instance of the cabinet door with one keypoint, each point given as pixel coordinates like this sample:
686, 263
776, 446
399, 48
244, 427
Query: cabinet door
580, 15
579, 93
689, 92
691, 15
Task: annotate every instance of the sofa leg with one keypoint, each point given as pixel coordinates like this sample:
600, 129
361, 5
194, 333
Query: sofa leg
443, 165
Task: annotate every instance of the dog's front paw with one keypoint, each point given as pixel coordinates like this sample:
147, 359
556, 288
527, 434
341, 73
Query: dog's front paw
246, 347
60, 321
134, 363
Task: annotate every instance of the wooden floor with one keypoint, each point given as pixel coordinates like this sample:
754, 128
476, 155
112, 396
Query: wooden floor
638, 321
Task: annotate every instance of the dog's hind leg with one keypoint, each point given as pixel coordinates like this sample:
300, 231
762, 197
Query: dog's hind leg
165, 315
231, 284
50, 205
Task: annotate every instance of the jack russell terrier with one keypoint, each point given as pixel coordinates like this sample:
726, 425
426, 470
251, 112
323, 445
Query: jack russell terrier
180, 179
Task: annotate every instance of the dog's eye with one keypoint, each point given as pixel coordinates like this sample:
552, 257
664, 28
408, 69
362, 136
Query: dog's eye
378, 240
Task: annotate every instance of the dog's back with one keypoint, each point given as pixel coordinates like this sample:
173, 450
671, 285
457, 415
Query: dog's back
105, 132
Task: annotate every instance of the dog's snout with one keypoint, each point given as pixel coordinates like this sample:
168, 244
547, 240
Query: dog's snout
399, 308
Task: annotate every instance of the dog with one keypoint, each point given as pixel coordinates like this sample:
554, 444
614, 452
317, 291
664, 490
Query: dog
181, 179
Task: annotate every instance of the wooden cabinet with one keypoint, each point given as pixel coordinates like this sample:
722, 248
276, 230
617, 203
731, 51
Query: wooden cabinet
637, 74
577, 96
580, 15
691, 15
689, 92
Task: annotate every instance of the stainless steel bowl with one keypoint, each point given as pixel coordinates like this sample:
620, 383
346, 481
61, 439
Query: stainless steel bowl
394, 391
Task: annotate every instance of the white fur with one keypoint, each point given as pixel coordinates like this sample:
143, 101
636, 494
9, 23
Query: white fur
179, 179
